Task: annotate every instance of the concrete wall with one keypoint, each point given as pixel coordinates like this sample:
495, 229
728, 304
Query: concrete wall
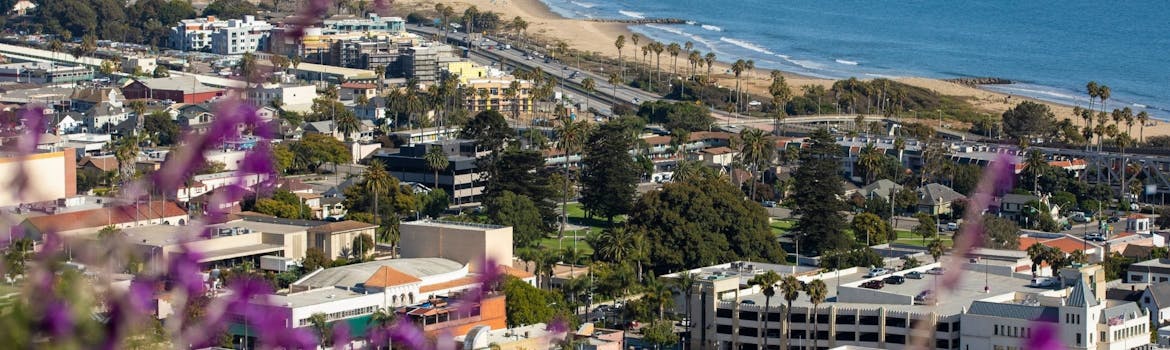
461, 243
46, 177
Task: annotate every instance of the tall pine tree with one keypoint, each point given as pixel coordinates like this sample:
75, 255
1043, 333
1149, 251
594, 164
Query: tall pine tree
818, 191
610, 175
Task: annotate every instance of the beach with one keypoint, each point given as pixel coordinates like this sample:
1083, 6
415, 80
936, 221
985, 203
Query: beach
599, 37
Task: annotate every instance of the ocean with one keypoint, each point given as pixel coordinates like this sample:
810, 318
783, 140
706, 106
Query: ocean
1050, 48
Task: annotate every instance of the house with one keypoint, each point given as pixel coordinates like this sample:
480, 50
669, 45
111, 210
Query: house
1149, 271
1156, 300
179, 88
325, 127
350, 91
86, 98
936, 199
107, 117
374, 110
718, 156
103, 164
195, 117
883, 189
139, 65
121, 216
72, 122
291, 97
1012, 206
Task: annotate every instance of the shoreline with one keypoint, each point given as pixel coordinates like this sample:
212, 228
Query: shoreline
598, 37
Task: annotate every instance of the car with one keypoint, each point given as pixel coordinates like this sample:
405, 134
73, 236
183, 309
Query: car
1095, 236
874, 284
769, 204
1042, 282
914, 275
926, 296
748, 302
877, 272
936, 271
894, 280
1113, 219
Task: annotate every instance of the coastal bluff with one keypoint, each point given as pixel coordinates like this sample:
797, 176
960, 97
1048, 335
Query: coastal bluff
639, 20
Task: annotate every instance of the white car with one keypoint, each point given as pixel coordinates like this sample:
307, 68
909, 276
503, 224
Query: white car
877, 272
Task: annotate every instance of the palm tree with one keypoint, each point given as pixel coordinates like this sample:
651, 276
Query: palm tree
710, 59
816, 295
619, 44
757, 150
320, 324
789, 290
1093, 90
436, 160
1127, 115
347, 124
646, 50
126, 152
589, 85
390, 234
1103, 93
738, 68
781, 93
1036, 252
674, 49
870, 159
767, 280
685, 282
377, 182
658, 294
617, 244
679, 139
613, 81
634, 38
1142, 118
693, 58
572, 136
382, 318
936, 249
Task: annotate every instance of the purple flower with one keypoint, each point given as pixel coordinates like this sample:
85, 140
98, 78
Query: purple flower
33, 119
558, 329
1045, 336
445, 341
140, 294
341, 335
184, 270
57, 320
406, 335
997, 178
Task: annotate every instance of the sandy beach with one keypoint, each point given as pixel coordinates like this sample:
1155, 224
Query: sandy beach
599, 38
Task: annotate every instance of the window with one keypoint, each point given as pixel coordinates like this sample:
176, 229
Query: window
846, 319
796, 318
870, 337
943, 327
723, 313
895, 322
845, 336
1146, 300
1078, 339
749, 315
723, 329
895, 338
747, 331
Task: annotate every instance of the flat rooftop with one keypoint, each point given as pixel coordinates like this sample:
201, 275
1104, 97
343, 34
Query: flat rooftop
351, 275
970, 288
745, 270
452, 225
265, 227
313, 297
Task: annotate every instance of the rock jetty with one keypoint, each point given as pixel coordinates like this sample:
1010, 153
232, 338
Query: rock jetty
975, 81
640, 20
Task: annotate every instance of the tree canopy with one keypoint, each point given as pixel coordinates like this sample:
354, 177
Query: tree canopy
230, 9
1029, 120
516, 171
529, 305
821, 223
610, 175
311, 151
700, 222
676, 115
510, 209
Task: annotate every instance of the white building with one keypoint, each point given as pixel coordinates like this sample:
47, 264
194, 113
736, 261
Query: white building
230, 37
292, 97
43, 73
1149, 271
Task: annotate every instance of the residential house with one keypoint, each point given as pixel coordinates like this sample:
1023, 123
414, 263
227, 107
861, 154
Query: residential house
180, 89
104, 163
120, 216
1012, 206
718, 156
291, 97
350, 91
1156, 300
374, 110
1149, 271
336, 238
936, 199
196, 117
86, 98
882, 189
71, 122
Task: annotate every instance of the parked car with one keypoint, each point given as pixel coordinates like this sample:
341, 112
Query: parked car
914, 275
894, 280
769, 204
1095, 236
1042, 282
1113, 219
877, 272
748, 302
936, 271
874, 284
926, 296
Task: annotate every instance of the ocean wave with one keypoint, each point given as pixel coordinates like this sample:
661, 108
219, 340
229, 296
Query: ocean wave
746, 45
676, 31
712, 28
808, 64
1139, 105
691, 23
583, 4
1035, 91
848, 63
632, 14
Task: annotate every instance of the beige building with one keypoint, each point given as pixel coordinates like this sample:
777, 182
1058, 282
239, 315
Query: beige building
230, 244
336, 237
462, 242
50, 175
497, 95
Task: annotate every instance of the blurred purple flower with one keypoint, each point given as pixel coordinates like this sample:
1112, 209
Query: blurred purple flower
405, 335
230, 114
33, 119
1045, 336
184, 270
57, 320
139, 295
341, 335
558, 329
445, 341
997, 178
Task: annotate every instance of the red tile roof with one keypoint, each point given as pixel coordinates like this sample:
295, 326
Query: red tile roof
469, 281
387, 277
340, 226
106, 163
96, 218
352, 85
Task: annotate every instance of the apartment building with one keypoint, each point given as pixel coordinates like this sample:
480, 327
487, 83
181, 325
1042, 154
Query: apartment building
371, 23
497, 94
423, 61
224, 37
457, 241
461, 178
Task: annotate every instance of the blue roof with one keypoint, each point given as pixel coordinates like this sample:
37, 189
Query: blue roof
1023, 312
1081, 295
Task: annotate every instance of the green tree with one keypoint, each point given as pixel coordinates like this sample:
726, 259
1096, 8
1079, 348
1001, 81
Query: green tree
362, 245
926, 227
528, 304
433, 203
609, 178
757, 150
659, 295
872, 228
436, 160
490, 131
517, 171
998, 233
676, 115
1037, 253
395, 200
230, 9
820, 227
790, 289
314, 259
314, 150
377, 181
817, 291
518, 211
348, 124
660, 333
936, 249
320, 324
1029, 120
700, 222
161, 128
16, 257
161, 71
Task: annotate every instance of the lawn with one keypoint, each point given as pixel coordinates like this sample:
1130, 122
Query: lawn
577, 217
582, 247
780, 227
909, 238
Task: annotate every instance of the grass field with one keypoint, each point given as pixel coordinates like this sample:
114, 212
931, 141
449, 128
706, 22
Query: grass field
909, 238
780, 227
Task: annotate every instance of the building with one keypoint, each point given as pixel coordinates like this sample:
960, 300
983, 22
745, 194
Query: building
442, 315
139, 65
729, 313
291, 97
882, 189
204, 183
422, 62
461, 178
372, 23
457, 241
496, 94
179, 89
231, 244
1156, 300
432, 134
336, 239
1085, 319
351, 91
936, 199
466, 71
1012, 205
119, 216
43, 73
44, 175
230, 37
1149, 271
